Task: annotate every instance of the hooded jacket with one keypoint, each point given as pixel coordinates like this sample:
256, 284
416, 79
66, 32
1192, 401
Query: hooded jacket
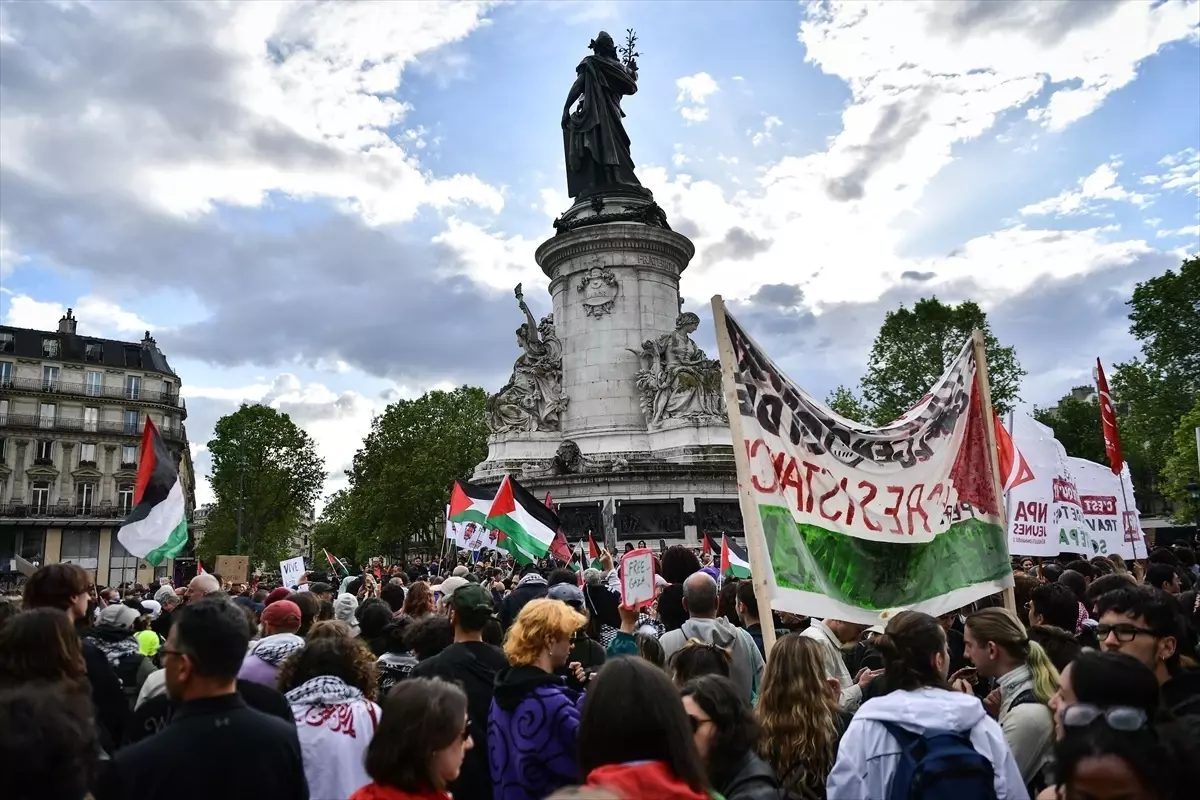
643, 779
533, 727
868, 755
532, 587
474, 666
335, 723
123, 654
261, 664
747, 667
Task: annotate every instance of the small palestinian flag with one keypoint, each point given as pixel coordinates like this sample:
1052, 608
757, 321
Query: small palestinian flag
156, 528
734, 563
526, 525
593, 552
707, 545
336, 563
469, 503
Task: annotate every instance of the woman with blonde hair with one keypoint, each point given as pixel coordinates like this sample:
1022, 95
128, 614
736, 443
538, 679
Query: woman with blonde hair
799, 715
998, 645
533, 725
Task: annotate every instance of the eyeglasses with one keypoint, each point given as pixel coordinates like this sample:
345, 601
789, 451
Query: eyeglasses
1124, 633
697, 722
1117, 718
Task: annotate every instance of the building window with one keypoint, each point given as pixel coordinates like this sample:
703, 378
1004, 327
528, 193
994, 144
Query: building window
1, 449
95, 384
49, 378
45, 451
133, 387
85, 493
133, 356
93, 351
7, 343
49, 347
132, 418
31, 546
81, 547
46, 415
5, 374
129, 456
125, 498
3, 412
41, 496
87, 454
122, 566
91, 419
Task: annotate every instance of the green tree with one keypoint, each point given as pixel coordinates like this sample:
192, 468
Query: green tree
1181, 466
1076, 425
335, 531
264, 459
1165, 317
843, 401
401, 477
914, 348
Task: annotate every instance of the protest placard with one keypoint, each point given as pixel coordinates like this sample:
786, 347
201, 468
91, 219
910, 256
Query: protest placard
637, 578
291, 571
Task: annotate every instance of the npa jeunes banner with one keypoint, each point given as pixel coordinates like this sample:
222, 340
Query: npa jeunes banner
859, 520
1110, 513
1045, 515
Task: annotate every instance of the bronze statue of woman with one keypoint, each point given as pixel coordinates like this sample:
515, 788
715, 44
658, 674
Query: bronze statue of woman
594, 138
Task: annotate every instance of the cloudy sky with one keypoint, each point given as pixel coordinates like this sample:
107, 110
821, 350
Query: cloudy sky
325, 206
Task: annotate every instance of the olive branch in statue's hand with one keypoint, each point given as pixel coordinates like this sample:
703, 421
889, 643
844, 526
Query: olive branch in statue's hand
629, 53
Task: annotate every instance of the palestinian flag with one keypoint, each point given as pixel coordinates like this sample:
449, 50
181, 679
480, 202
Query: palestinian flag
336, 563
734, 563
707, 545
593, 553
469, 503
156, 528
525, 525
559, 547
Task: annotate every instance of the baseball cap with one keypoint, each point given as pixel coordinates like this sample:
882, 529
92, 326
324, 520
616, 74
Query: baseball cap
281, 612
119, 615
320, 588
568, 593
449, 586
280, 593
470, 597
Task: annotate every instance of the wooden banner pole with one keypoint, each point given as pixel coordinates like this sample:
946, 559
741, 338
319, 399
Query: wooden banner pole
756, 540
984, 387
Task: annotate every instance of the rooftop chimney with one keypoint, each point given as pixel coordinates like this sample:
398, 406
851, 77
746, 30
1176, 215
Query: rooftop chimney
149, 343
67, 323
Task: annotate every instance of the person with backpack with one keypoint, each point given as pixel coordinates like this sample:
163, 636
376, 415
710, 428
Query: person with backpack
921, 740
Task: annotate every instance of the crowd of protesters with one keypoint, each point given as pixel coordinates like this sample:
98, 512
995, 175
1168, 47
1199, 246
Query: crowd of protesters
492, 681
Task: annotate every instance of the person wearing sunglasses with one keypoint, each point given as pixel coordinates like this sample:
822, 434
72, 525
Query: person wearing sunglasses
420, 744
1145, 623
1112, 752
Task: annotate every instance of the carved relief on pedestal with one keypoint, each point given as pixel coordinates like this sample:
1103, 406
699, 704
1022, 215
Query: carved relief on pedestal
677, 380
570, 460
533, 399
600, 289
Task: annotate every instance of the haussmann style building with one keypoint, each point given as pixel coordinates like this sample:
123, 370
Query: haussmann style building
72, 412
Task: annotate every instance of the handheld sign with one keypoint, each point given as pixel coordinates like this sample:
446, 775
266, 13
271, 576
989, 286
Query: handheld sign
291, 570
637, 578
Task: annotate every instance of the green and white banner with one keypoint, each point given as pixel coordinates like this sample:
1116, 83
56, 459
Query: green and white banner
856, 521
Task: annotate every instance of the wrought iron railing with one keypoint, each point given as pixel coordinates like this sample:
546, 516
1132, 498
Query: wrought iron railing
138, 394
63, 511
80, 425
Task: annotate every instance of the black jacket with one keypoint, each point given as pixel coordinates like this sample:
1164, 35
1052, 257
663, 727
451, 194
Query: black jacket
256, 757
473, 665
155, 714
108, 696
590, 655
517, 599
753, 779
1181, 694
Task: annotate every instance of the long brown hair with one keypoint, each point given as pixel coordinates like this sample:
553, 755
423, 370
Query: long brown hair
908, 646
798, 714
40, 645
418, 601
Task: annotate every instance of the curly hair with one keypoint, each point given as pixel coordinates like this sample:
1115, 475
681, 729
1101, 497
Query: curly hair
337, 656
678, 563
798, 714
329, 629
418, 601
537, 620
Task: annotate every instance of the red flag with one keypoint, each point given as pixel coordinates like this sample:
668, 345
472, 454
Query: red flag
1014, 470
559, 547
1108, 420
707, 545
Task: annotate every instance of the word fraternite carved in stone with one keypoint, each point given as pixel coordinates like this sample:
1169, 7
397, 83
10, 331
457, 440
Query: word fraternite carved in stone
533, 399
677, 380
600, 289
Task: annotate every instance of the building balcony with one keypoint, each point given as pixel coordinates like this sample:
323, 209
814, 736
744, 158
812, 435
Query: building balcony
129, 465
60, 514
33, 422
41, 386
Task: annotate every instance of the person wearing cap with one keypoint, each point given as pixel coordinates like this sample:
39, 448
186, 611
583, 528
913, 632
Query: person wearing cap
280, 621
168, 602
323, 591
585, 651
448, 587
474, 664
344, 608
113, 636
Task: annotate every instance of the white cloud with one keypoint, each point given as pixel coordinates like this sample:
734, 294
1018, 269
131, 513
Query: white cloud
694, 91
9, 257
679, 158
770, 123
1189, 231
96, 316
1183, 172
1100, 186
494, 259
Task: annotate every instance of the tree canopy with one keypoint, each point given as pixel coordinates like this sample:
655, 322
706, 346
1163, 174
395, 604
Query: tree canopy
401, 476
843, 401
915, 346
1076, 425
268, 464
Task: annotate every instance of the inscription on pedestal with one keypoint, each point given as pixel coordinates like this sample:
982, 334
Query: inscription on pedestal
649, 519
716, 517
647, 260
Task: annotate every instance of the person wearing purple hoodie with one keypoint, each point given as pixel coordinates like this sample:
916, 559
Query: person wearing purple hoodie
280, 621
533, 725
